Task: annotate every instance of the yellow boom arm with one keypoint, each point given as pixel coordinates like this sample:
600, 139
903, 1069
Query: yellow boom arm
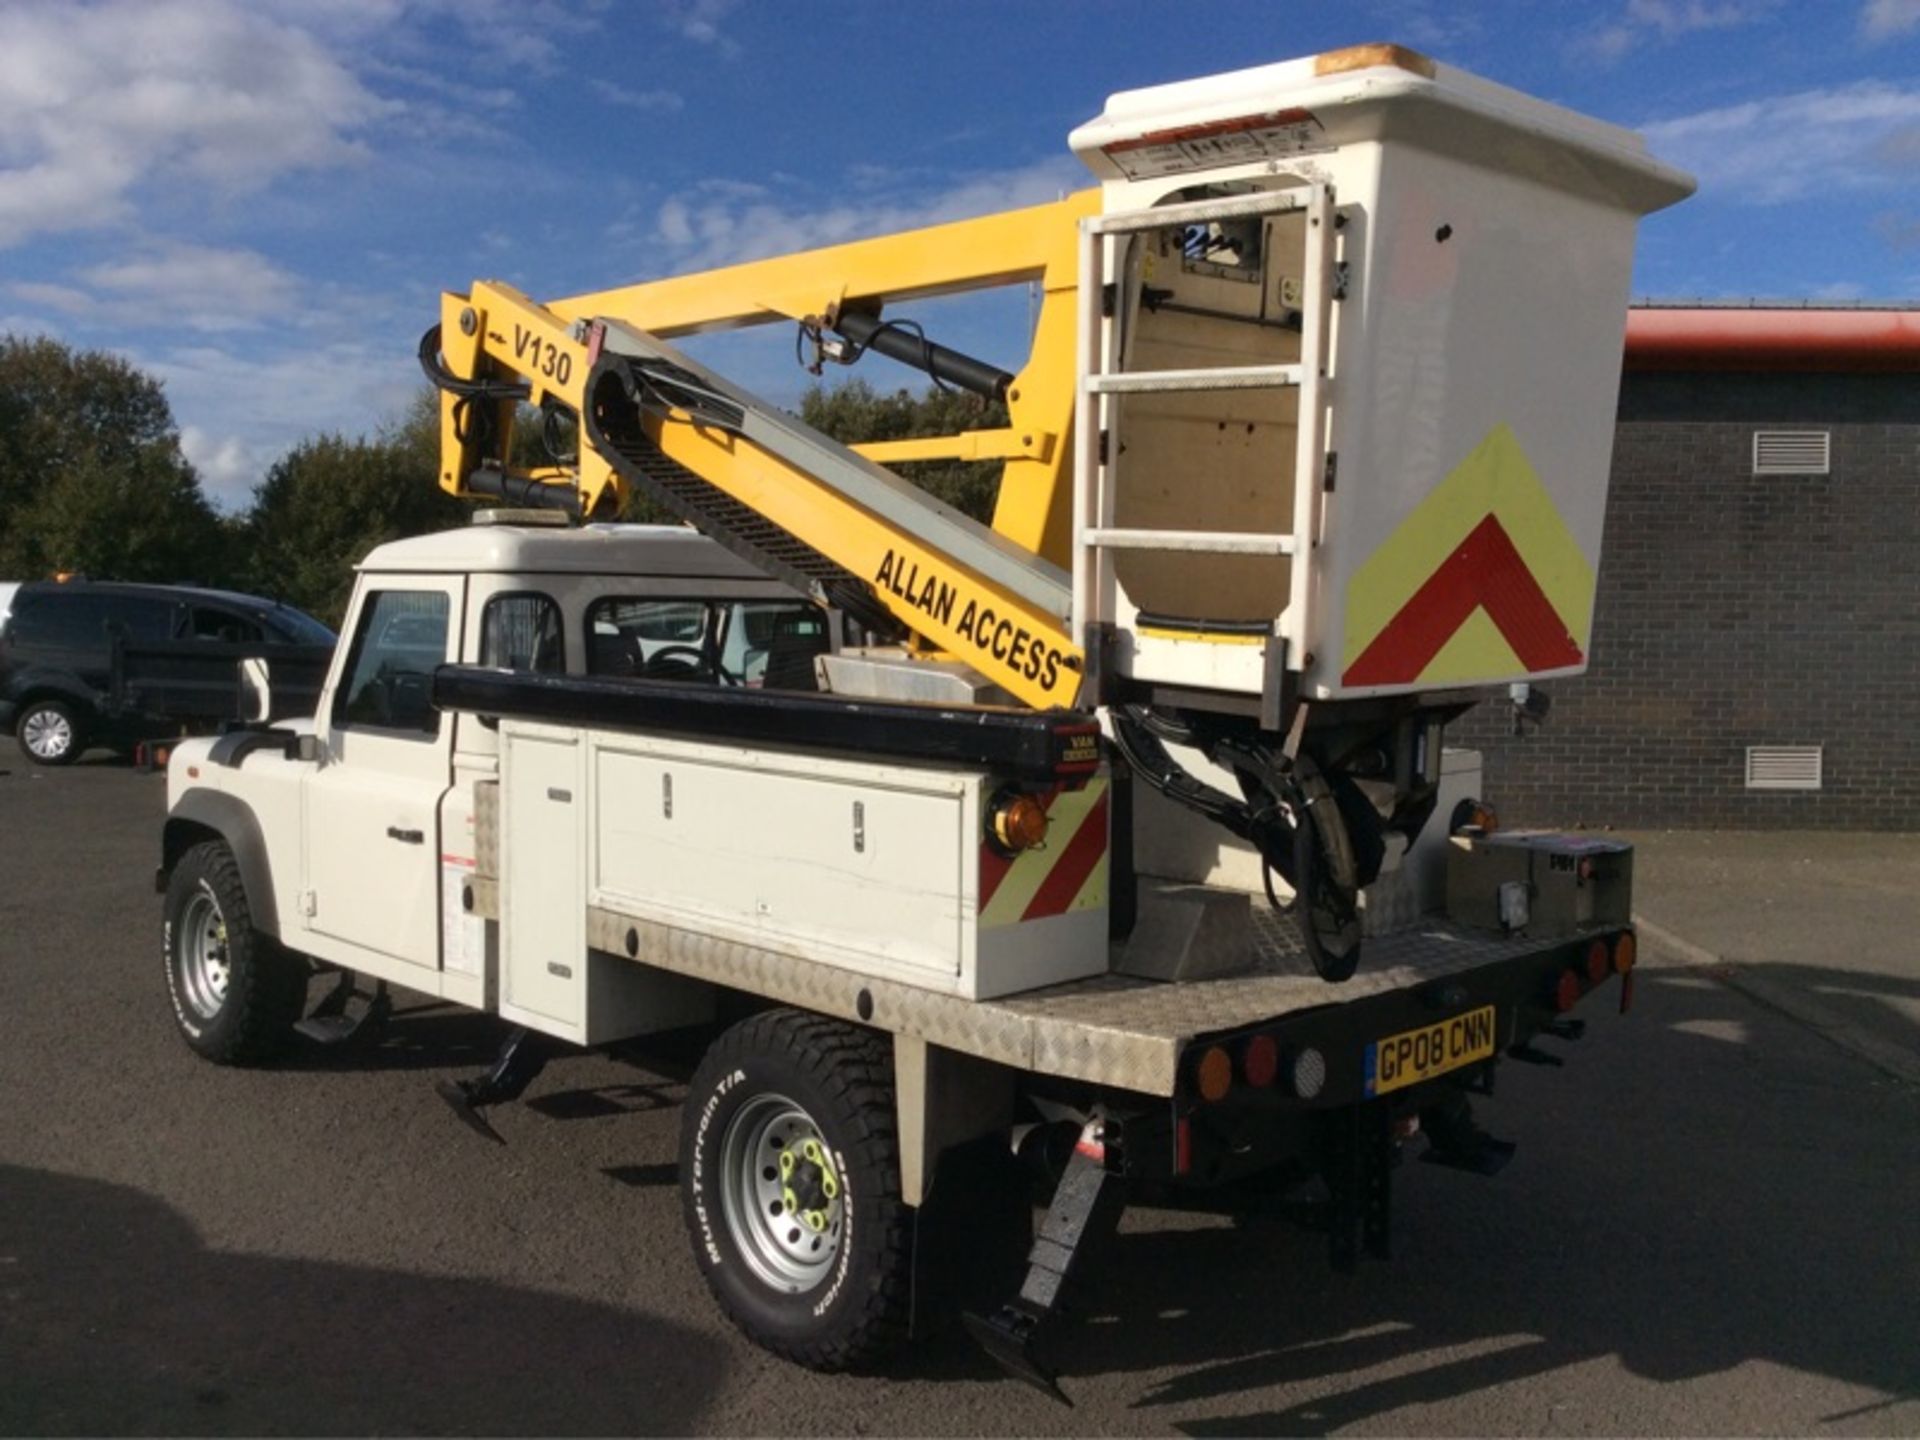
495, 340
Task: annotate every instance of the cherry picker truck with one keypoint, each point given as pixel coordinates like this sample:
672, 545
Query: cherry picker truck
1121, 828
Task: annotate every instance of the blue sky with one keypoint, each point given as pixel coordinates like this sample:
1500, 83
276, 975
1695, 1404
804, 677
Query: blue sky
260, 200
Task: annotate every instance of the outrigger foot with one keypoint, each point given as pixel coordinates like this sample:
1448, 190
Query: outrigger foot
1085, 1210
521, 1059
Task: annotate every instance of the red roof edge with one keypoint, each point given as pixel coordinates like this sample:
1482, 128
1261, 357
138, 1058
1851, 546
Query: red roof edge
1777, 339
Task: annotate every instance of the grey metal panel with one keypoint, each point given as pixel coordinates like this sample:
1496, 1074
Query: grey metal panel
1111, 1030
964, 1025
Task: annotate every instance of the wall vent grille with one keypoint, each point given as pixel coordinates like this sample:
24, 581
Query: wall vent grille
1791, 452
1783, 767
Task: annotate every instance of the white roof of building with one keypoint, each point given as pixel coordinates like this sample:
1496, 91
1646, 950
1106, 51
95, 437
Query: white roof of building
585, 549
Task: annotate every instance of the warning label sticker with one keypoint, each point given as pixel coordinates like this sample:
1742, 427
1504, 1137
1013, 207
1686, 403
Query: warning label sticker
1217, 143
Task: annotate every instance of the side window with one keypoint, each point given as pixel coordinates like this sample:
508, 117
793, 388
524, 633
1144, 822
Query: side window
522, 632
772, 643
229, 628
66, 622
401, 640
650, 639
142, 617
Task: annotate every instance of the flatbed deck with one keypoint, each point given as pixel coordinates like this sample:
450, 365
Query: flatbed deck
1115, 1030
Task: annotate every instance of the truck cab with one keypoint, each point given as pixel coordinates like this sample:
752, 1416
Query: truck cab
354, 829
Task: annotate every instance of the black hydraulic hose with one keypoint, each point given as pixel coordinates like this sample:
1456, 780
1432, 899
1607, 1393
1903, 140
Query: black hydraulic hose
518, 490
904, 341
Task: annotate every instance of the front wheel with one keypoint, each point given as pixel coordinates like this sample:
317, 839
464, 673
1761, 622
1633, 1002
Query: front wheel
49, 732
236, 994
790, 1176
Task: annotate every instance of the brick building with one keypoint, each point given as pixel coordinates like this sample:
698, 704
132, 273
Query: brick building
1756, 646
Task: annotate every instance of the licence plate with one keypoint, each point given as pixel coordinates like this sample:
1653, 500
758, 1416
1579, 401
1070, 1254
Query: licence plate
1415, 1055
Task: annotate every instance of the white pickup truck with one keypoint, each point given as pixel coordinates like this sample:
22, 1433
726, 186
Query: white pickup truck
582, 777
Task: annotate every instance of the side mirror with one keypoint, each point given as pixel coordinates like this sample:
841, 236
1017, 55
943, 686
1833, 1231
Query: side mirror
309, 749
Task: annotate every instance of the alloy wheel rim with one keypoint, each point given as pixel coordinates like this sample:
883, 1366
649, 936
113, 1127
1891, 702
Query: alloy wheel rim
47, 734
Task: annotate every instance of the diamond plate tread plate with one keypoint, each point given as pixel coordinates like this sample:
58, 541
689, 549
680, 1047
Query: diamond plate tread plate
1110, 1030
486, 829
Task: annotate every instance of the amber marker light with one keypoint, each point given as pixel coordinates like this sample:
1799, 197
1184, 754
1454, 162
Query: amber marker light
1214, 1074
1017, 822
1625, 952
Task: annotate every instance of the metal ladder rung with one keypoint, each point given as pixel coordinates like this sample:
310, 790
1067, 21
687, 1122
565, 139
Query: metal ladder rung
1218, 542
1269, 202
1221, 377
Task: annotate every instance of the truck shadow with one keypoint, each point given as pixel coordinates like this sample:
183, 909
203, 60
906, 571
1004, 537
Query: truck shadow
1681, 1245
118, 1319
1699, 1189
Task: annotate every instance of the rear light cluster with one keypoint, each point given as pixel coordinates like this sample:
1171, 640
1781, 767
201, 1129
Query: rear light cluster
1259, 1063
1603, 957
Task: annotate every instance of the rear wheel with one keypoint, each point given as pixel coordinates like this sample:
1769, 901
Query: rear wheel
790, 1177
49, 732
236, 994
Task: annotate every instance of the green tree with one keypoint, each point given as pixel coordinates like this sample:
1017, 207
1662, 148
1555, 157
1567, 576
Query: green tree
330, 500
855, 412
91, 475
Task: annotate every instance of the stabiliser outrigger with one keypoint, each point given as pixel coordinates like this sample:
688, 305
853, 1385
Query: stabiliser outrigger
987, 825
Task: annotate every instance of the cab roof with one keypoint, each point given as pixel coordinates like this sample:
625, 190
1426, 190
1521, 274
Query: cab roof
598, 549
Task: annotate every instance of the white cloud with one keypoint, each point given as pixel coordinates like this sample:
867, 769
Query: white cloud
97, 99
228, 470
498, 35
195, 286
1666, 20
699, 21
726, 222
1887, 19
1767, 152
243, 411
631, 99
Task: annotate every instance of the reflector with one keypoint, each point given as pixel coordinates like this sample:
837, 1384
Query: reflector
1308, 1073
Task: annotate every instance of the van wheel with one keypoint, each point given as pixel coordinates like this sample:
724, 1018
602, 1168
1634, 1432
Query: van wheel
236, 994
49, 732
790, 1178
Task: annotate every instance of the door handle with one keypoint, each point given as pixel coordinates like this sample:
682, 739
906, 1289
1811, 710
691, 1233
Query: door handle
407, 837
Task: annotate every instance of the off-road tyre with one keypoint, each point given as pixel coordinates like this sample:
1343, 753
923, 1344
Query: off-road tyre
842, 1078
249, 1018
44, 721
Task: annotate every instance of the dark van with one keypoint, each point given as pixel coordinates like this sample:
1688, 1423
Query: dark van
85, 663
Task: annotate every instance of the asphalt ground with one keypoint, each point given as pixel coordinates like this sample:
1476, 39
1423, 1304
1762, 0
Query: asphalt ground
1710, 1228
